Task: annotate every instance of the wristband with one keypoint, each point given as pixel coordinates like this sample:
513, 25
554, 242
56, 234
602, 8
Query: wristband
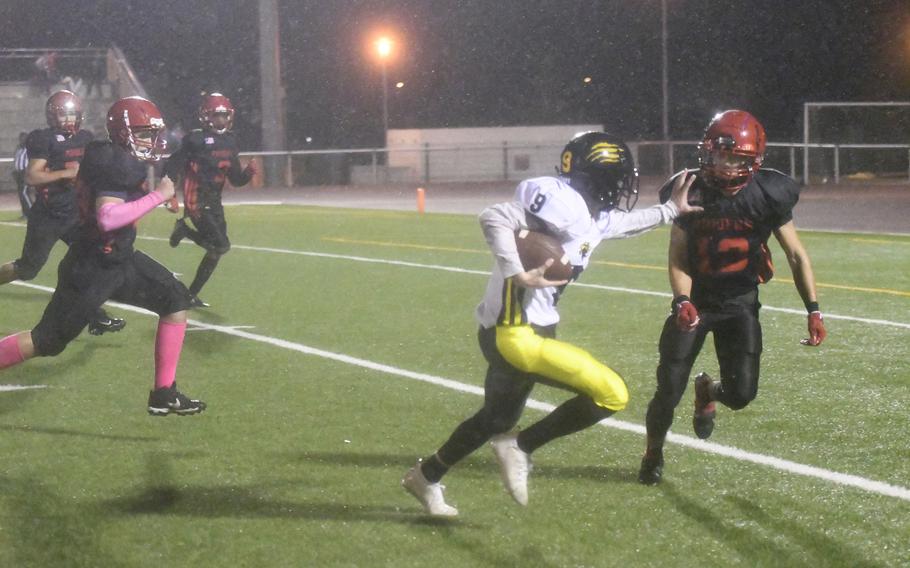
682, 298
812, 307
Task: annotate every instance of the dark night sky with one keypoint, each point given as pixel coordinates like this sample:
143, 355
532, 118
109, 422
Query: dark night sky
511, 62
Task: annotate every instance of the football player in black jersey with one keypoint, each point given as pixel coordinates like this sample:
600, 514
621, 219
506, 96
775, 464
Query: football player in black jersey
717, 259
101, 263
54, 154
206, 158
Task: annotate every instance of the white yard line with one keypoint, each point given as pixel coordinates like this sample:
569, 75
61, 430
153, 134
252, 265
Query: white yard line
848, 480
799, 312
10, 388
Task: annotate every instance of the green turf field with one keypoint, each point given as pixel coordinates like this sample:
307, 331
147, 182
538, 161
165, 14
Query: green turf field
326, 326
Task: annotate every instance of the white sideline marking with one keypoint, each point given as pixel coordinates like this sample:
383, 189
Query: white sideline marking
636, 291
856, 481
828, 316
10, 388
207, 328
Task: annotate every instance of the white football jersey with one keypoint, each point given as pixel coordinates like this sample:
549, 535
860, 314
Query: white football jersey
565, 214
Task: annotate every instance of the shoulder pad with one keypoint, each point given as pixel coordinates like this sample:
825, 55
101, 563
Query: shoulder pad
38, 143
667, 188
781, 190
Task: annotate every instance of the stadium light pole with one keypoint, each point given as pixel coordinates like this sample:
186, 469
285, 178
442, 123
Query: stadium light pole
384, 47
665, 118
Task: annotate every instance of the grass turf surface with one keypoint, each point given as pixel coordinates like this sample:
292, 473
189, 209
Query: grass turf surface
298, 459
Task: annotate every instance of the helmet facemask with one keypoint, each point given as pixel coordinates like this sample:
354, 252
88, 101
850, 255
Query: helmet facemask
216, 113
145, 142
220, 121
724, 167
604, 190
68, 120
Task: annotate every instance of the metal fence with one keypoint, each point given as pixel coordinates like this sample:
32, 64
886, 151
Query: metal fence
830, 163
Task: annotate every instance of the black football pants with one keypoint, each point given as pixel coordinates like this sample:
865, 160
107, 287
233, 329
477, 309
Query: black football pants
738, 343
42, 232
85, 282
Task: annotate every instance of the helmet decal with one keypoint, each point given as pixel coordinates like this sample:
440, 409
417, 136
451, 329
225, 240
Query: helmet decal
604, 153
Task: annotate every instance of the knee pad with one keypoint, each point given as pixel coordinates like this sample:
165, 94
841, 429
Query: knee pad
47, 345
216, 250
737, 401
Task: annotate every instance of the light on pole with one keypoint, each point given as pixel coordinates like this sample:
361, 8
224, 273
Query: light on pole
665, 89
384, 46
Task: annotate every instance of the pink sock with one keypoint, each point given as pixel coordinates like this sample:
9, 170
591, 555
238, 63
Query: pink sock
168, 344
9, 351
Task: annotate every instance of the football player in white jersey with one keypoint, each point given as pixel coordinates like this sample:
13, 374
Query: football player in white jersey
591, 200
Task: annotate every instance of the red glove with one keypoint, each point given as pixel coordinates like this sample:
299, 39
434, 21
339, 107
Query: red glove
252, 167
686, 313
817, 331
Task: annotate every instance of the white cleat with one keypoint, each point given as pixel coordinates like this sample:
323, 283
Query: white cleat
514, 465
429, 494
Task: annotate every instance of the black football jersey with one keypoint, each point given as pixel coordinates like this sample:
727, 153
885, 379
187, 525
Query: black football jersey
208, 158
107, 170
61, 152
728, 253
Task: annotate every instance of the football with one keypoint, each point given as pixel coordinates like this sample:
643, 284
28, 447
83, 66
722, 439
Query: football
535, 248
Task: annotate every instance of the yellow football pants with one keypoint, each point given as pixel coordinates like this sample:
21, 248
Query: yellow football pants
561, 362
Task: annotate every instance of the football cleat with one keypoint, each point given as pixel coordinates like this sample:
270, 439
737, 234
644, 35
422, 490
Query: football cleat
652, 469
514, 465
106, 324
197, 302
168, 400
180, 231
705, 409
429, 494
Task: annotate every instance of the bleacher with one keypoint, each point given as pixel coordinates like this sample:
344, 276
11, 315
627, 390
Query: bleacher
22, 94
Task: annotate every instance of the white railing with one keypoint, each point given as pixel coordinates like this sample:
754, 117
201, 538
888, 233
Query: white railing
835, 163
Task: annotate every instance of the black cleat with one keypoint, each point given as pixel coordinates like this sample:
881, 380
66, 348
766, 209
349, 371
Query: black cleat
180, 231
197, 302
106, 325
652, 469
705, 409
169, 400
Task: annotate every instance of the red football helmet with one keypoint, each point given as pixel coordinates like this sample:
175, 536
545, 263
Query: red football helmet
216, 113
136, 124
63, 111
732, 150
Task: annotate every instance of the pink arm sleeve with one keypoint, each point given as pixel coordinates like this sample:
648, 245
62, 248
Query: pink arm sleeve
115, 215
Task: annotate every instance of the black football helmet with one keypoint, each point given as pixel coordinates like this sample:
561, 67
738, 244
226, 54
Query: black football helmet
600, 167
